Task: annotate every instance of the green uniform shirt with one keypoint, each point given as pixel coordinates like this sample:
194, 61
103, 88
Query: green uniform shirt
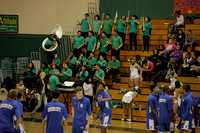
102, 63
57, 61
133, 26
73, 60
53, 80
49, 42
81, 62
85, 25
107, 26
83, 76
101, 74
52, 72
78, 41
29, 75
116, 41
96, 24
116, 64
93, 61
68, 71
121, 26
147, 26
91, 41
46, 71
103, 42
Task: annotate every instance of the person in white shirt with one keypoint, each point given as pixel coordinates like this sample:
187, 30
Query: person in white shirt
88, 89
179, 23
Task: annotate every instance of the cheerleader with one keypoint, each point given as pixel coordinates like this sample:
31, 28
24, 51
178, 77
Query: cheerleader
173, 78
135, 77
177, 96
127, 99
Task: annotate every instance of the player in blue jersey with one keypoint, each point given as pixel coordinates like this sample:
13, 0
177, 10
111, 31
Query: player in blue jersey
166, 116
81, 112
104, 107
151, 113
198, 106
53, 114
8, 110
20, 107
185, 113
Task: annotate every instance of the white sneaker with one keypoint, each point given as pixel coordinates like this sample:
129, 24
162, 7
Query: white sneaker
128, 119
122, 119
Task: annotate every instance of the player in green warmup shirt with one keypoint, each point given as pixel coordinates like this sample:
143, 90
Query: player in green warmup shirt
108, 26
85, 25
54, 81
104, 49
102, 63
78, 42
117, 43
133, 31
115, 67
121, 28
91, 63
91, 43
96, 25
66, 73
147, 33
54, 71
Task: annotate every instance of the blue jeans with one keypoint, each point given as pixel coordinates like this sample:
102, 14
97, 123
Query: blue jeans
174, 28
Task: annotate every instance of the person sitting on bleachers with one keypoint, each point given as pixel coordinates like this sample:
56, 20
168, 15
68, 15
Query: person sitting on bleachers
91, 63
172, 65
139, 60
196, 66
72, 62
81, 60
30, 76
54, 71
162, 51
21, 88
153, 58
189, 61
115, 67
179, 23
178, 55
190, 40
102, 63
180, 39
66, 73
170, 47
82, 75
148, 67
44, 68
56, 61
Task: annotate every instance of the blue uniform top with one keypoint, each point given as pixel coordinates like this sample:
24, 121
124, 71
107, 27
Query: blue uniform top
185, 111
198, 101
151, 104
193, 98
157, 98
8, 110
54, 112
20, 107
165, 104
82, 108
104, 105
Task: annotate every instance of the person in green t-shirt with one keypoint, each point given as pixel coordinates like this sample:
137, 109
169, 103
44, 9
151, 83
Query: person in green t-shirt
104, 49
121, 28
81, 60
72, 62
54, 71
44, 68
147, 33
54, 81
78, 42
117, 43
133, 31
102, 63
85, 25
91, 43
83, 73
91, 63
66, 73
56, 61
30, 76
108, 26
99, 73
96, 25
115, 67
48, 44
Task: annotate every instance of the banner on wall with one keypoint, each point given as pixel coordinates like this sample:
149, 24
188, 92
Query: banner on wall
9, 24
187, 6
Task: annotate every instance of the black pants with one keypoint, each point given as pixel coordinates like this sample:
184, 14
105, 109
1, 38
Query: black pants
115, 53
191, 46
156, 74
186, 71
88, 54
84, 34
108, 36
77, 52
103, 54
50, 56
91, 100
122, 35
133, 37
113, 72
146, 41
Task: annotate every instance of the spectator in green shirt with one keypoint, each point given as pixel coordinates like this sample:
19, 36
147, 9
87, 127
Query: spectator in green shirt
48, 44
91, 43
108, 26
54, 81
66, 73
117, 43
147, 33
82, 75
85, 25
133, 31
56, 61
72, 62
78, 42
91, 63
44, 69
99, 73
115, 67
54, 71
121, 28
82, 60
104, 49
30, 76
102, 63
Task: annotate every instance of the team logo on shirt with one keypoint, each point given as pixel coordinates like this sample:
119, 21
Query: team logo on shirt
81, 105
